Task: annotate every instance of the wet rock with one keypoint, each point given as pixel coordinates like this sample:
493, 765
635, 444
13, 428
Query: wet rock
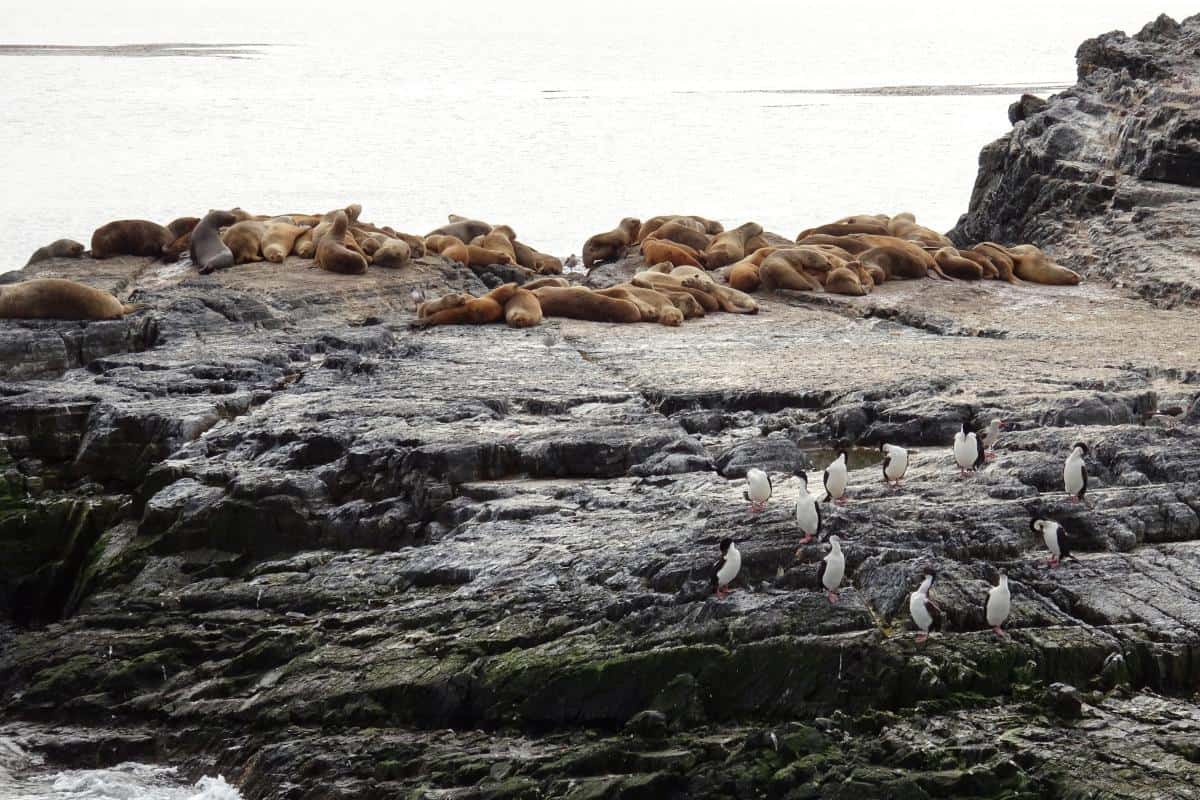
1064, 701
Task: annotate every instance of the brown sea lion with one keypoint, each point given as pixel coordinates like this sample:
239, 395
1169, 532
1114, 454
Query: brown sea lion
244, 240
130, 237
523, 310
452, 300
655, 251
60, 248
985, 264
859, 218
332, 253
847, 243
538, 283
577, 302
656, 279
304, 246
461, 228
416, 245
689, 305
654, 306
392, 254
610, 245
240, 214
681, 232
470, 255
744, 275
440, 241
55, 298
784, 269
498, 242
956, 266
730, 246
541, 263
1031, 264
862, 225
897, 263
181, 228
476, 311
181, 225
844, 280
1001, 259
278, 240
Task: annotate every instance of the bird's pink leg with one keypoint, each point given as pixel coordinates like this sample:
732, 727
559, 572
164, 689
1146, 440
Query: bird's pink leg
832, 597
921, 637
999, 631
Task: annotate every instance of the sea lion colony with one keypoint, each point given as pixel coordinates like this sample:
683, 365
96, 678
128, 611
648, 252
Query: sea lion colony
692, 264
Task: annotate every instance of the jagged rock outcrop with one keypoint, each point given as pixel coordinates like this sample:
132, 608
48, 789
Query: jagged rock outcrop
1106, 174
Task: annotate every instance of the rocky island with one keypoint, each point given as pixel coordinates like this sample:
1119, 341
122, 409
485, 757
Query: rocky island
263, 528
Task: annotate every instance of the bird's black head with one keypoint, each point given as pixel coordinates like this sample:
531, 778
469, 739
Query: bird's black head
883, 447
1081, 446
725, 543
802, 475
1034, 524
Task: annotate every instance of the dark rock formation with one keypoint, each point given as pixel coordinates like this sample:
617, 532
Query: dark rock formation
1106, 175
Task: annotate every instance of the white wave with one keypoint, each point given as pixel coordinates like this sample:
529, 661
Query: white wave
129, 781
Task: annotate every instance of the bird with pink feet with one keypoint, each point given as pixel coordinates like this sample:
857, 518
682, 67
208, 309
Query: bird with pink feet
758, 489
835, 480
999, 605
832, 569
727, 568
925, 613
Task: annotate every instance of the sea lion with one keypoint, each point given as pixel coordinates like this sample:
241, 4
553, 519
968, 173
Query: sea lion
538, 283
416, 245
208, 251
498, 242
304, 246
470, 255
985, 263
861, 225
392, 254
461, 228
181, 225
703, 280
744, 275
610, 245
578, 302
240, 214
130, 237
452, 300
956, 266
779, 272
655, 251
687, 304
244, 240
847, 243
1000, 258
896, 262
652, 279
869, 218
709, 226
523, 310
539, 262
332, 253
476, 311
55, 298
654, 306
730, 246
440, 241
60, 248
684, 231
278, 240
844, 281
1031, 264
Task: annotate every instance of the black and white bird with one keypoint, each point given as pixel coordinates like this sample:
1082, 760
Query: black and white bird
925, 613
1075, 477
728, 567
835, 480
968, 450
758, 489
832, 569
808, 511
895, 463
1055, 538
988, 437
999, 605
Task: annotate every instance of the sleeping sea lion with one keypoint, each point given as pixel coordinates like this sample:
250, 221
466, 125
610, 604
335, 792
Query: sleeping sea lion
55, 298
60, 248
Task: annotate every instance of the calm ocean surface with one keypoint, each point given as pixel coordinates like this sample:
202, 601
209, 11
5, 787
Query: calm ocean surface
556, 117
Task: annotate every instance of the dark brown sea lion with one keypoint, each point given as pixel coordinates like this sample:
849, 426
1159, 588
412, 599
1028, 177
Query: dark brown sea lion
610, 245
476, 311
462, 228
60, 248
683, 233
55, 298
730, 247
130, 237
